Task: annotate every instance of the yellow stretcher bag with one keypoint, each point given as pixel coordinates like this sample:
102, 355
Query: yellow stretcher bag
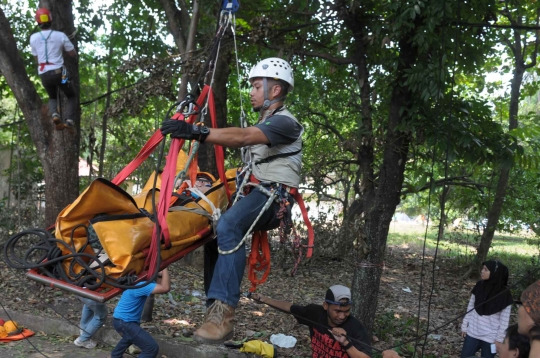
123, 223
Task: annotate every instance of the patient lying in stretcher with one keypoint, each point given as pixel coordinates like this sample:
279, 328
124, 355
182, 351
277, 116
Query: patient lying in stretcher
202, 184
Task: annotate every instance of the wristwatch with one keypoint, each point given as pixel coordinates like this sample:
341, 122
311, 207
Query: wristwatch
204, 132
348, 345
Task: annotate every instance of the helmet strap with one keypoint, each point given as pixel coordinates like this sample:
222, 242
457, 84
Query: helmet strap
267, 102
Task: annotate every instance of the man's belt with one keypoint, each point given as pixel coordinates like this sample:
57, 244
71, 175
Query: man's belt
42, 67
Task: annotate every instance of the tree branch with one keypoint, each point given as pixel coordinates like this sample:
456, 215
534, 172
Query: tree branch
325, 56
463, 181
326, 125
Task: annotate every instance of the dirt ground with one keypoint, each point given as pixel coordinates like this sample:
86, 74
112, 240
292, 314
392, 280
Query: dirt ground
180, 312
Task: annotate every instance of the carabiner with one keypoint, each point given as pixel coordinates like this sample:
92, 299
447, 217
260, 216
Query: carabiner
188, 106
230, 6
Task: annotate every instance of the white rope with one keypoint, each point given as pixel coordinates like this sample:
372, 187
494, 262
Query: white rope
243, 122
72, 35
271, 197
224, 24
247, 173
216, 212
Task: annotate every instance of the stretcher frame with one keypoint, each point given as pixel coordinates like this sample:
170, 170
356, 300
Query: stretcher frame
104, 294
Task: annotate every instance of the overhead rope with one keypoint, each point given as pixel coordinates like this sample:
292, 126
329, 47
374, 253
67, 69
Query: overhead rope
432, 189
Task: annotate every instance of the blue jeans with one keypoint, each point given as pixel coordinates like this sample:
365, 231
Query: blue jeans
132, 333
92, 317
473, 345
231, 228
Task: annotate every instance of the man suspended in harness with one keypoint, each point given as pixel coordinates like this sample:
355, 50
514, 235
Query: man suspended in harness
48, 46
272, 151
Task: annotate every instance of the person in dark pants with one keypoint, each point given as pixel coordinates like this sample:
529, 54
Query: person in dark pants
488, 312
334, 332
127, 318
48, 47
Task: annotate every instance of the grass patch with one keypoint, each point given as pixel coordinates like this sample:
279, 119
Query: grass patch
521, 258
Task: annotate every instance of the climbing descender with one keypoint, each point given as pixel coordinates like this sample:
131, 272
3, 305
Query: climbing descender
188, 106
230, 6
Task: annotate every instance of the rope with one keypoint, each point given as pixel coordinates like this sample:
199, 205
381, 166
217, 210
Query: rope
72, 36
445, 187
28, 339
271, 197
243, 122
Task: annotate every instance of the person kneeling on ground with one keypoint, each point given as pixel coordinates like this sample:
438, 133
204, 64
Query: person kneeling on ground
127, 317
334, 332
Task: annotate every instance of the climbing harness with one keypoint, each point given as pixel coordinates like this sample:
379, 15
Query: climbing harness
45, 39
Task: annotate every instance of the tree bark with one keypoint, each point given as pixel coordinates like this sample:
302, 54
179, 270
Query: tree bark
504, 173
207, 158
104, 122
58, 151
183, 35
385, 198
518, 48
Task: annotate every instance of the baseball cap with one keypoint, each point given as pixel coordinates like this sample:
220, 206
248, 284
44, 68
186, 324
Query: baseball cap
337, 293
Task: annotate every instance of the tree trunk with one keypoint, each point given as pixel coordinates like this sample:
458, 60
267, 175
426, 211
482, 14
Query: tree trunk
207, 158
58, 151
504, 173
104, 123
386, 197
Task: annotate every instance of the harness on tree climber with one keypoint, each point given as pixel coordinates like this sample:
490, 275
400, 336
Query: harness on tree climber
259, 259
45, 39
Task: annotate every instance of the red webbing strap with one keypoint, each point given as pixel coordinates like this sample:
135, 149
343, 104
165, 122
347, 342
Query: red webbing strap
145, 151
259, 259
311, 234
220, 156
167, 184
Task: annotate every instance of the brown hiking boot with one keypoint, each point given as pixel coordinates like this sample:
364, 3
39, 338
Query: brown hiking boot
70, 125
59, 125
218, 326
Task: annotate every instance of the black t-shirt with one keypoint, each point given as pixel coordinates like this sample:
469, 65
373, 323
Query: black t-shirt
280, 129
323, 344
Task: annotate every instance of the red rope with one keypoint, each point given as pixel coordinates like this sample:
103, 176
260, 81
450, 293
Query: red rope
259, 259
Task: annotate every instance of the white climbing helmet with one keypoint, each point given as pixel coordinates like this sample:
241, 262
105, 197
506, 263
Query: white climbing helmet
274, 67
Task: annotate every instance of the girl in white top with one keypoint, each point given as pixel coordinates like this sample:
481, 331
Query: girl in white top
488, 311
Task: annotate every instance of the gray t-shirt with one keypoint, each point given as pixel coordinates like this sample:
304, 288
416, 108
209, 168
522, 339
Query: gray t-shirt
280, 129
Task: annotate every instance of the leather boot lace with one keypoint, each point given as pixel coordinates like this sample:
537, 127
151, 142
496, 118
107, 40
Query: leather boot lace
216, 313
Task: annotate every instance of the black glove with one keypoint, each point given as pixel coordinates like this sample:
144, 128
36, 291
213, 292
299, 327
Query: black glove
181, 129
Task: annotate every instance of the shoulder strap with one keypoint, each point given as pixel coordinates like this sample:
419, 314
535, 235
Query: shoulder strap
276, 156
45, 40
